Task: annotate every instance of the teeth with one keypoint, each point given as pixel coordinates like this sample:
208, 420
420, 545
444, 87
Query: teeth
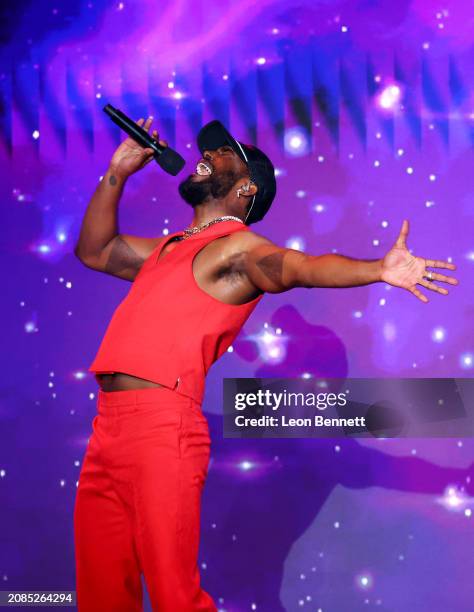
203, 169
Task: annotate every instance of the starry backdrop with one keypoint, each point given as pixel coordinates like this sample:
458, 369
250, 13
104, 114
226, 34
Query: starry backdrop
367, 110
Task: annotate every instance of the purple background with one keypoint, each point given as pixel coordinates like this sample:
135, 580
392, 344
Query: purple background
330, 525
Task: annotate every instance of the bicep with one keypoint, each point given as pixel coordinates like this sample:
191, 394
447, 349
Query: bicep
124, 255
274, 269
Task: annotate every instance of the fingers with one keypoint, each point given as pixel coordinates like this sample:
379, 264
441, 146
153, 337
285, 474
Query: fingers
433, 287
148, 153
147, 159
444, 279
163, 143
146, 126
148, 122
435, 263
419, 295
401, 240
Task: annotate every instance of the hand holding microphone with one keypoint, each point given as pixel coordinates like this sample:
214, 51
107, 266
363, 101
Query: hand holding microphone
130, 157
138, 150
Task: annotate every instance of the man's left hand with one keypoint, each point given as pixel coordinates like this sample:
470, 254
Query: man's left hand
401, 269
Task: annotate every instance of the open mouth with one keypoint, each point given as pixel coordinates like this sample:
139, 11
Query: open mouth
204, 168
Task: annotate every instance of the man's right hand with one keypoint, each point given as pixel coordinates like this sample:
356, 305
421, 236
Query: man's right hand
130, 156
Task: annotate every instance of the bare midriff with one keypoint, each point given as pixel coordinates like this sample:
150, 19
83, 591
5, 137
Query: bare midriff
119, 381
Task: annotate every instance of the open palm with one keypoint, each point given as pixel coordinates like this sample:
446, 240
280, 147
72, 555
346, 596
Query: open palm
402, 269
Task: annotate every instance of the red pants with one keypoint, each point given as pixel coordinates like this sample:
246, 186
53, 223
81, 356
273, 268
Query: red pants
138, 501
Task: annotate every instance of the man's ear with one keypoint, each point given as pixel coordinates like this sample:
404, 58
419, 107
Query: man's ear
249, 189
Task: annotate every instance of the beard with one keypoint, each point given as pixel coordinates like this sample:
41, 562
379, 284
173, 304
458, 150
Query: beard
213, 187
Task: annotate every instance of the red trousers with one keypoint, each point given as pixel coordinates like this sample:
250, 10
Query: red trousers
138, 501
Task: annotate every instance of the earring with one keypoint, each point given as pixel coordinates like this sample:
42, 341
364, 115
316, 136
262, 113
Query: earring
244, 187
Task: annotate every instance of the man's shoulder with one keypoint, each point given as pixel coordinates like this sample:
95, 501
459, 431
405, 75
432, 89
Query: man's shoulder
245, 239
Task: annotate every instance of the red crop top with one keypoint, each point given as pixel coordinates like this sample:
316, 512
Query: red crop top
167, 329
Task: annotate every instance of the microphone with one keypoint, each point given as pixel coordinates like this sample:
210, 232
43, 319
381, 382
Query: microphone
169, 160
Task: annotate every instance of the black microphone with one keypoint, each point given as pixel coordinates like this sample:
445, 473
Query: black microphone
168, 159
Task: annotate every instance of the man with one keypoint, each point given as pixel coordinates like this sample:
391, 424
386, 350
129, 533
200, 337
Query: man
138, 500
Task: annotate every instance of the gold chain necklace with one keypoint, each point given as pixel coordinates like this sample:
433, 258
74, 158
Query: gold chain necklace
190, 231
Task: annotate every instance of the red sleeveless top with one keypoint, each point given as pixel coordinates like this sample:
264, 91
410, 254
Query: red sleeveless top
167, 329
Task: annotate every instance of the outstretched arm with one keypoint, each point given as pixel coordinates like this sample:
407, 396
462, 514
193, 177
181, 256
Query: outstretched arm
274, 269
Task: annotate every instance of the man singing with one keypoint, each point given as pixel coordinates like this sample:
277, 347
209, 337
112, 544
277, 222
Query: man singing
138, 500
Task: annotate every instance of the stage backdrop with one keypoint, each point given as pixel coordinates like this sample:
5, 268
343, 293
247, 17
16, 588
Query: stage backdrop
367, 111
